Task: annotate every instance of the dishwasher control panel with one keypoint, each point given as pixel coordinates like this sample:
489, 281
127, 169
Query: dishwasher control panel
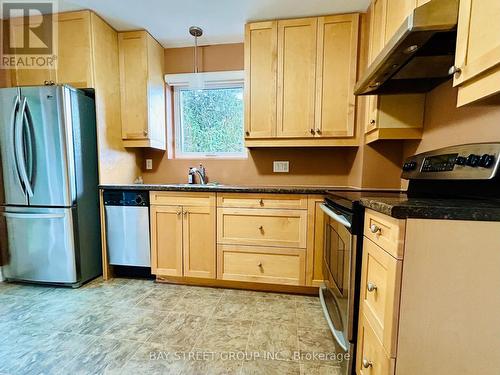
126, 198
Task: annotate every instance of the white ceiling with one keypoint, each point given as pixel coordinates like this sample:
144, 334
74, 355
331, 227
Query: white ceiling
222, 20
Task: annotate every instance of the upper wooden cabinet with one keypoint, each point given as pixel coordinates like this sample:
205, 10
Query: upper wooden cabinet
391, 116
336, 75
74, 54
261, 51
296, 77
478, 50
142, 90
300, 76
396, 12
75, 50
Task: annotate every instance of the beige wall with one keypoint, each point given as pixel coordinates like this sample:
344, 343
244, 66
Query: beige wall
308, 166
447, 125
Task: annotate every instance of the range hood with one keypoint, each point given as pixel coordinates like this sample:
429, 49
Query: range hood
419, 55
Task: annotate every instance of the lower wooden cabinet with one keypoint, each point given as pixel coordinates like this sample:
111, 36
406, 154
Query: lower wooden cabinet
198, 239
261, 264
183, 235
248, 238
262, 227
371, 358
380, 293
315, 242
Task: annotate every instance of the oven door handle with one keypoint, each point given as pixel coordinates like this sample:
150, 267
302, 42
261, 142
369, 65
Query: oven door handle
339, 218
338, 335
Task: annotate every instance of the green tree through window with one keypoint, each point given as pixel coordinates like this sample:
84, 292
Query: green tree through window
211, 120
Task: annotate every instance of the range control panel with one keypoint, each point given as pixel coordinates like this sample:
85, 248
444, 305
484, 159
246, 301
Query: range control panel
478, 161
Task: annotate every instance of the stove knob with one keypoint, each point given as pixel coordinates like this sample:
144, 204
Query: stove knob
487, 161
473, 160
460, 160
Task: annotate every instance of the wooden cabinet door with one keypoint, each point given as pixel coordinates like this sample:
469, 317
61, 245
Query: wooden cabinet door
377, 40
316, 232
261, 44
156, 93
74, 50
133, 84
199, 242
478, 39
296, 77
24, 76
337, 53
166, 240
397, 11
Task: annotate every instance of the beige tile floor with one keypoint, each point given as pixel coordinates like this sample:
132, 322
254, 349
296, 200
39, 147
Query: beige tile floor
128, 326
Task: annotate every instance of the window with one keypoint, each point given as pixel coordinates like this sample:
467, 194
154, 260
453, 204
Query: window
209, 121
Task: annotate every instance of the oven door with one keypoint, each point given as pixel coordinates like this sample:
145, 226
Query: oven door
338, 293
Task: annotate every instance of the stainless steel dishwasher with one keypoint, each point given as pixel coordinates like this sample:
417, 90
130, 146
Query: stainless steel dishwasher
127, 227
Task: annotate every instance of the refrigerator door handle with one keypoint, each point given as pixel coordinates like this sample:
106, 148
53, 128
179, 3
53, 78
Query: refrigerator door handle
19, 150
32, 215
30, 146
13, 122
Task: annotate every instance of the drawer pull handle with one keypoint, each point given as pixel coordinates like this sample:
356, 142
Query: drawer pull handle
375, 229
261, 202
371, 287
367, 363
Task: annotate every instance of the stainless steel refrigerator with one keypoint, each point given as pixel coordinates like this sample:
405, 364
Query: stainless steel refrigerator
49, 210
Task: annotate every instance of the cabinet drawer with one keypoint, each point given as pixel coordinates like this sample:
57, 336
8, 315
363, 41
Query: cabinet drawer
182, 199
284, 228
380, 293
371, 358
387, 232
262, 201
261, 264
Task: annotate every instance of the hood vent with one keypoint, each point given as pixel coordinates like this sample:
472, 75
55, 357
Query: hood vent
418, 57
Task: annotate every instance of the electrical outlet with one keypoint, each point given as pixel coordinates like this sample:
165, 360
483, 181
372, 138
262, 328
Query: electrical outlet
149, 163
281, 166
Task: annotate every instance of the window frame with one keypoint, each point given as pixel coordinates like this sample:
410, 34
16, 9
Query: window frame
178, 153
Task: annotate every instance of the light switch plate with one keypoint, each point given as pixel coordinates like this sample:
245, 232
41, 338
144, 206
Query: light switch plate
149, 163
281, 166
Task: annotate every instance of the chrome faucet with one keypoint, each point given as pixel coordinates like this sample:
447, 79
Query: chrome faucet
201, 172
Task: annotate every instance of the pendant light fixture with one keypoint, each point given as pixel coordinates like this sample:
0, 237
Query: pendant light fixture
196, 32
202, 80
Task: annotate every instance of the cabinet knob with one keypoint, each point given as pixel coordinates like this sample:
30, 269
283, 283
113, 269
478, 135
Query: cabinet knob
259, 264
247, 133
372, 122
371, 287
375, 229
312, 131
179, 213
366, 363
261, 202
318, 131
145, 132
454, 70
261, 228
185, 213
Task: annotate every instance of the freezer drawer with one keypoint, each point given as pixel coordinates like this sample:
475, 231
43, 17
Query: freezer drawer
127, 235
39, 243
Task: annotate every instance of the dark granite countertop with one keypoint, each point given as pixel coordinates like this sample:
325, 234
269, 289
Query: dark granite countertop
229, 188
403, 207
